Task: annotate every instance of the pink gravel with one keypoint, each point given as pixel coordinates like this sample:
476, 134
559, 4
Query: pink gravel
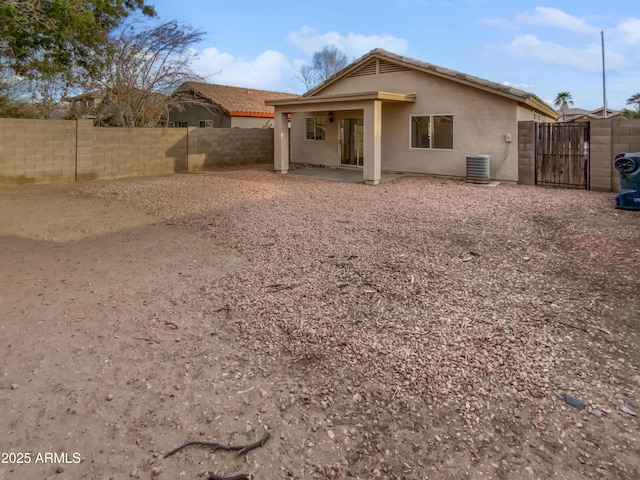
430, 288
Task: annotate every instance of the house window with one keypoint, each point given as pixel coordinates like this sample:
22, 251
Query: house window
432, 131
315, 128
180, 124
205, 123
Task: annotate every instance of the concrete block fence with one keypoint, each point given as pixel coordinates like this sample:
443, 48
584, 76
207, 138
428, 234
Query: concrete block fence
65, 151
608, 137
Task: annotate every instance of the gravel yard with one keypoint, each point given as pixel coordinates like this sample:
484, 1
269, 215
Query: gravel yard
422, 328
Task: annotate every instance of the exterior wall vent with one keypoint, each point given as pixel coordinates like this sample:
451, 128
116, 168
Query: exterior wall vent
367, 69
478, 168
390, 67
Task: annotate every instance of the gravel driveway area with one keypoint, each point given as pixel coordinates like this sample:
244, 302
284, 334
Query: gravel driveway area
422, 328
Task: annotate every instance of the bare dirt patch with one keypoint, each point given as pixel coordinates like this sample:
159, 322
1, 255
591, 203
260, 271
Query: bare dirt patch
419, 329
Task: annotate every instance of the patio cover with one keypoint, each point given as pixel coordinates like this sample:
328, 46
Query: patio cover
369, 102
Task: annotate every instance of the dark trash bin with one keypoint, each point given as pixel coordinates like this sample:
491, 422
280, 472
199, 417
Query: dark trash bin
628, 164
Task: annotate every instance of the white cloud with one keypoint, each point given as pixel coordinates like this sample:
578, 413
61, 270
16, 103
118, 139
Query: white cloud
588, 59
553, 17
521, 86
309, 41
628, 32
499, 22
270, 70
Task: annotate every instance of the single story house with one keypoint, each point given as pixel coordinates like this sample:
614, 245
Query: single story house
385, 112
222, 106
581, 115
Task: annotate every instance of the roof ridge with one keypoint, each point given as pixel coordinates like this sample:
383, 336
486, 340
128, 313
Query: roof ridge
232, 99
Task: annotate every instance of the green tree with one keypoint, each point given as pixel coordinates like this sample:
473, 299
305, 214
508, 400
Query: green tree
325, 63
10, 108
562, 100
58, 36
634, 100
628, 113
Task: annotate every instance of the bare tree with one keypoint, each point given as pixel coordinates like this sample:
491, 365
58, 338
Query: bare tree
142, 70
324, 64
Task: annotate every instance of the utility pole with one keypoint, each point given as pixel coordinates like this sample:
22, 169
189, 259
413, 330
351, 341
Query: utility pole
604, 84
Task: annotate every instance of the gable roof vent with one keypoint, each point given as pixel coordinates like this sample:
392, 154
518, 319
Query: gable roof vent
390, 67
369, 68
478, 167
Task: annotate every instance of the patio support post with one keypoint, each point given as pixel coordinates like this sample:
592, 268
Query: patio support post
281, 142
372, 142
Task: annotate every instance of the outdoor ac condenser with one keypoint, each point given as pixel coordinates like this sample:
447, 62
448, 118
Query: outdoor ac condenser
478, 168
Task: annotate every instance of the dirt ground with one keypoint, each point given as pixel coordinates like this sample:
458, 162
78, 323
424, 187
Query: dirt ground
418, 329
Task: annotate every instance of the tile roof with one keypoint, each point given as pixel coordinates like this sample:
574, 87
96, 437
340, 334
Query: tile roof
572, 114
236, 101
478, 82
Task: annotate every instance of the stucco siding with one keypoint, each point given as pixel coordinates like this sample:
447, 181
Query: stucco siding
315, 152
251, 122
481, 122
192, 114
524, 114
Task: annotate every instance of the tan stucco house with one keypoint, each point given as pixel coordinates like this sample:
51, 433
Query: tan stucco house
385, 112
223, 106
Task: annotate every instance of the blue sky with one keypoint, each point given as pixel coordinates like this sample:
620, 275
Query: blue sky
542, 48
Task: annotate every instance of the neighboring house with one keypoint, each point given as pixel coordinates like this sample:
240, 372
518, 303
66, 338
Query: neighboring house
580, 115
221, 106
131, 107
85, 105
392, 113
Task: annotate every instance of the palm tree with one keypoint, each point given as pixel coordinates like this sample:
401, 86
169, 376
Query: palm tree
562, 100
634, 100
628, 113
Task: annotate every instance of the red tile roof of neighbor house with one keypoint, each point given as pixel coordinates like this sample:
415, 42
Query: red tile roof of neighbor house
236, 101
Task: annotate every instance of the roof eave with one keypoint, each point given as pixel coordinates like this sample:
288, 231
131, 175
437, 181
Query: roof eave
346, 97
537, 104
251, 114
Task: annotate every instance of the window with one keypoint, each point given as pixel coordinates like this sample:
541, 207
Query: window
180, 124
432, 131
205, 123
315, 128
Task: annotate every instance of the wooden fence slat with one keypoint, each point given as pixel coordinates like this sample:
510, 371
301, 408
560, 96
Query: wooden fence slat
561, 154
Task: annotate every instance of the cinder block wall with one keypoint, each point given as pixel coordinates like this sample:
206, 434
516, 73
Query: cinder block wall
125, 152
600, 159
608, 137
220, 147
63, 151
37, 151
625, 138
527, 153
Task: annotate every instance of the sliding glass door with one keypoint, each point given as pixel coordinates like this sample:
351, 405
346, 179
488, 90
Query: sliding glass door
351, 141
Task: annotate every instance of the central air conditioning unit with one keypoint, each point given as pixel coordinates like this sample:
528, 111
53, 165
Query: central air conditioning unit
478, 168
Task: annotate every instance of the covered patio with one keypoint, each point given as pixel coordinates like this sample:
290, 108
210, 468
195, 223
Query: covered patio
369, 103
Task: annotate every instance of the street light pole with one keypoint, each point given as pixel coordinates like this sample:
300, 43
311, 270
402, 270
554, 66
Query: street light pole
604, 84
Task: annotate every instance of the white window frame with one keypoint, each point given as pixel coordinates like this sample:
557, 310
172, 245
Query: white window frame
431, 116
315, 119
205, 123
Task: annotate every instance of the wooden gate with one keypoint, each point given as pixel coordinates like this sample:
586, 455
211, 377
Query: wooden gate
562, 155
